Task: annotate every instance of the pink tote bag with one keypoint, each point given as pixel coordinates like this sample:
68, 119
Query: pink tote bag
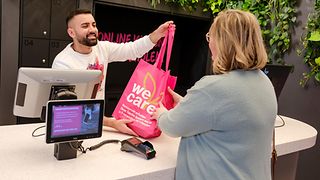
145, 89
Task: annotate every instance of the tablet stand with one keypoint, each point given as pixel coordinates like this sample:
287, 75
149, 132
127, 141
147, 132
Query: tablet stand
65, 150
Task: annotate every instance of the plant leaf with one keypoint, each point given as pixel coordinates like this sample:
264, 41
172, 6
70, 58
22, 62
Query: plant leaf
317, 76
315, 36
317, 60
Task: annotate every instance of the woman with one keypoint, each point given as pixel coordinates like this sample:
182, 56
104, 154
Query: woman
226, 120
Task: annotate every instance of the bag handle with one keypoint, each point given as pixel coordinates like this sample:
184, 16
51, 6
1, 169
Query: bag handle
159, 59
274, 155
170, 44
166, 45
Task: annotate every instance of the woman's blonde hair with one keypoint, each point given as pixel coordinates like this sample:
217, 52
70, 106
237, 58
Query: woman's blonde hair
238, 42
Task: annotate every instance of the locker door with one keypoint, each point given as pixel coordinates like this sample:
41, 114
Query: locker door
36, 18
55, 47
60, 10
34, 52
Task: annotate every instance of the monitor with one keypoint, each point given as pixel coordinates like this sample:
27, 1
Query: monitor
71, 120
34, 86
278, 75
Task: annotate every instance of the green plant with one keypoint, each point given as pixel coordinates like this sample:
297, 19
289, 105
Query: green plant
189, 5
276, 18
283, 18
311, 46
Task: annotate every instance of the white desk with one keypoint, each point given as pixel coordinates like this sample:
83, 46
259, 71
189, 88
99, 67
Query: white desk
290, 139
25, 157
294, 136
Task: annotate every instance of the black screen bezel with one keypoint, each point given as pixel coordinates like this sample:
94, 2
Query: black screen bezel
49, 120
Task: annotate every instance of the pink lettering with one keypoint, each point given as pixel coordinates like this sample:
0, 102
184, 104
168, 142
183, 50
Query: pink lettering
128, 37
149, 57
118, 37
104, 36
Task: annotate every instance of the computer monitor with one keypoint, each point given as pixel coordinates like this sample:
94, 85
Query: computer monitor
34, 87
278, 75
71, 120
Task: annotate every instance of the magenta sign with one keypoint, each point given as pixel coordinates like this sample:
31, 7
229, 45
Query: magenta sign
66, 120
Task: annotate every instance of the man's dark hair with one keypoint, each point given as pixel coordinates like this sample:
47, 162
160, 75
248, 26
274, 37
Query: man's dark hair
76, 12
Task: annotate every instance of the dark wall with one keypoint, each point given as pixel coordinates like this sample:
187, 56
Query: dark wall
9, 58
302, 104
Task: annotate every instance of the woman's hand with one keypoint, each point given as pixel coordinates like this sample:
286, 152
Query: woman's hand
120, 125
159, 111
176, 97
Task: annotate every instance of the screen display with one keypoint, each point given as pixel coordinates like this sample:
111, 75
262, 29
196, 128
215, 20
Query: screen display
70, 120
278, 75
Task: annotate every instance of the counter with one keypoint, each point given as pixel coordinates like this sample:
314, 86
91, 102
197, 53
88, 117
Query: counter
25, 157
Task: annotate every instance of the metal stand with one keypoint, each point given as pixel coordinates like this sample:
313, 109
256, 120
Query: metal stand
67, 150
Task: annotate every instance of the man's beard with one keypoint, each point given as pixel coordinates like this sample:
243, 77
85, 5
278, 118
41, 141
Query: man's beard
88, 42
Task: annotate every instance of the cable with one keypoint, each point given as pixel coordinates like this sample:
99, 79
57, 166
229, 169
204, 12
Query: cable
80, 148
77, 145
38, 135
103, 143
283, 122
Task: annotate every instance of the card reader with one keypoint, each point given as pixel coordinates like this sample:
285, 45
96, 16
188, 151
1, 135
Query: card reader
135, 145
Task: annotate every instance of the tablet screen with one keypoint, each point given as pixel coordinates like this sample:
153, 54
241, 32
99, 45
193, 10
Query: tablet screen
70, 120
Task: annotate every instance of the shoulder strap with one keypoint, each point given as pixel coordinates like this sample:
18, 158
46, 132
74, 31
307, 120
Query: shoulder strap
166, 45
162, 51
274, 155
169, 48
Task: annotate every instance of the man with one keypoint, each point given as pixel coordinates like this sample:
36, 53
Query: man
86, 52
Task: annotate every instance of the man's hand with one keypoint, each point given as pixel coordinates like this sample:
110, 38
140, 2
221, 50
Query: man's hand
120, 125
161, 31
